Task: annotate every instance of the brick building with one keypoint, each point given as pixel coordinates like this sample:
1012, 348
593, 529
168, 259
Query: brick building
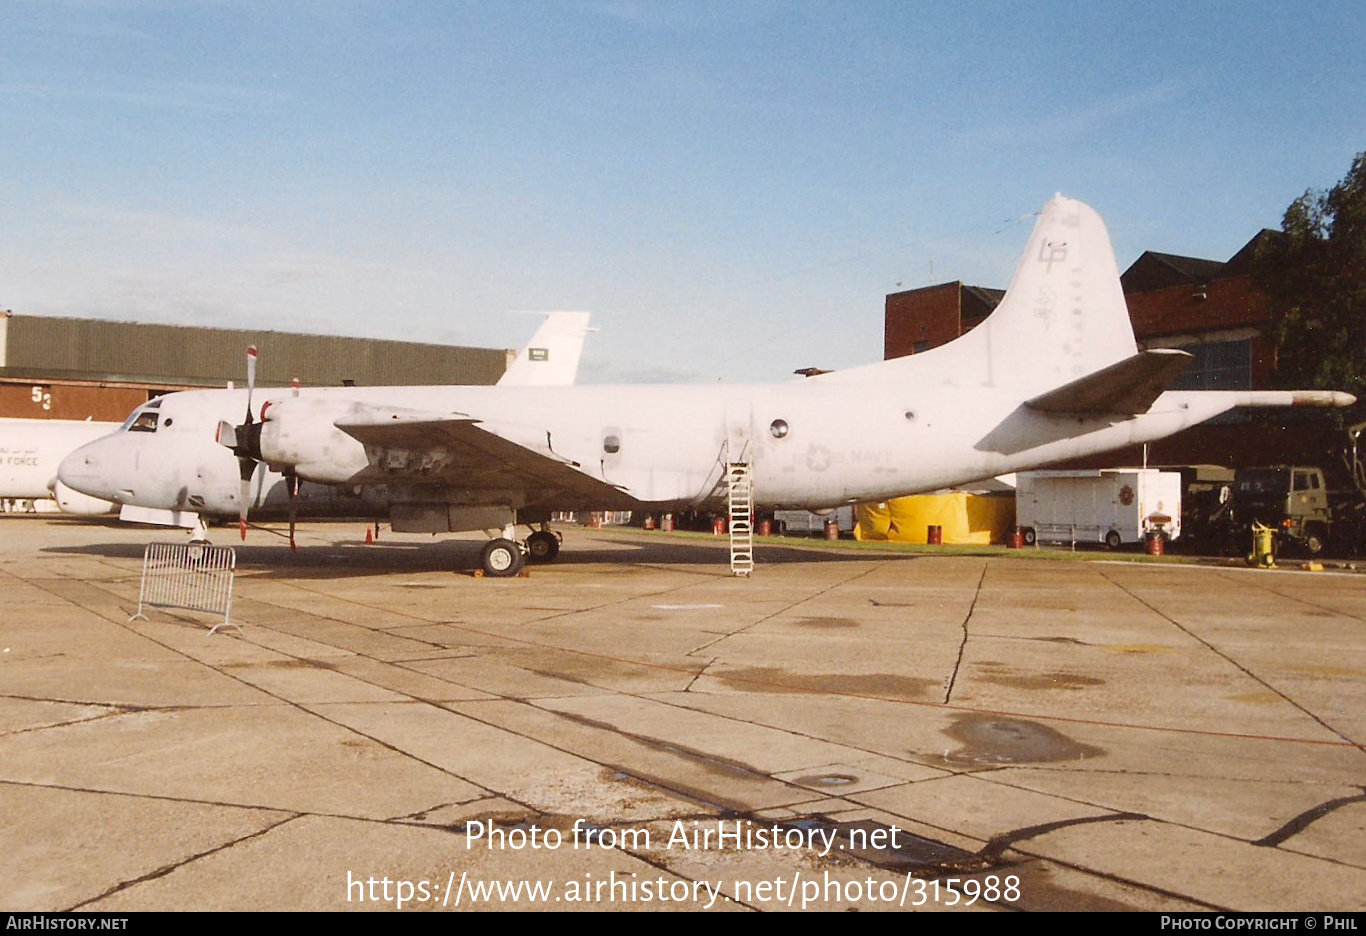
1208, 308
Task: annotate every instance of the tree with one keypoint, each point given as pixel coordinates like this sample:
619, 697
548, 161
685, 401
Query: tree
1315, 280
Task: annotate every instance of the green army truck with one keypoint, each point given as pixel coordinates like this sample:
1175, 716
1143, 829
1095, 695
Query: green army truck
1292, 499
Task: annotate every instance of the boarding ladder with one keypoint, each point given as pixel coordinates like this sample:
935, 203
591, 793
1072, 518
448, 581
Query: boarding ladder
740, 507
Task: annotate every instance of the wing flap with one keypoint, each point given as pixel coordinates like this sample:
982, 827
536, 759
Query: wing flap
1125, 388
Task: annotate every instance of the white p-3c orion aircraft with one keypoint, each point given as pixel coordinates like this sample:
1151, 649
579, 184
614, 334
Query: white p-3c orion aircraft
1052, 374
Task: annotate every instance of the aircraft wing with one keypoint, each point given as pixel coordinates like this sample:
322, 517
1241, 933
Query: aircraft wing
1125, 388
456, 451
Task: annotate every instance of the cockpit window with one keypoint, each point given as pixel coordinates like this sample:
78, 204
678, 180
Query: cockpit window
144, 420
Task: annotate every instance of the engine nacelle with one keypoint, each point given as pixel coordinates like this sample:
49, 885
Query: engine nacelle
81, 505
298, 433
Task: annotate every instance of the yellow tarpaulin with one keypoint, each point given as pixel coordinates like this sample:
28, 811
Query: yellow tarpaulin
965, 518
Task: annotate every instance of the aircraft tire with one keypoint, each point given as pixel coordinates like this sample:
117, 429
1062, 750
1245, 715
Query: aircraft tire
542, 547
1029, 536
501, 558
1113, 540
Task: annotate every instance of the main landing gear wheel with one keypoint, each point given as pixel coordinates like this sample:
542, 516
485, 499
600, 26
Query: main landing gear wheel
1113, 540
1029, 536
501, 558
542, 546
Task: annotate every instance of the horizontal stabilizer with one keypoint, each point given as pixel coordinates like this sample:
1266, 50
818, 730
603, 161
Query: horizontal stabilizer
1125, 388
1295, 398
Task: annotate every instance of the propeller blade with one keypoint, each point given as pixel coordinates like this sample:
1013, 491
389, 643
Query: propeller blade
248, 468
251, 377
294, 485
240, 440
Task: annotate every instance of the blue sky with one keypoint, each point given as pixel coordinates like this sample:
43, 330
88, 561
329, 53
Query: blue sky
731, 188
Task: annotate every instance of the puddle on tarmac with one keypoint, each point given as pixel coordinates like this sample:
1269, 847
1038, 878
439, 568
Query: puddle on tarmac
1043, 681
598, 670
826, 622
881, 685
282, 664
991, 671
1135, 648
989, 739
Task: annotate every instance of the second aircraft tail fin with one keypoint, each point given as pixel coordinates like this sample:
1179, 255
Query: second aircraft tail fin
551, 357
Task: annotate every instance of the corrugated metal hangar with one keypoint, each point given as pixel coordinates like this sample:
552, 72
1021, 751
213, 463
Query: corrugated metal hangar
71, 368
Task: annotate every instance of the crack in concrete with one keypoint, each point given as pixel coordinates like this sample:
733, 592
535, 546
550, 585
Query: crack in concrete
963, 644
61, 724
167, 869
700, 673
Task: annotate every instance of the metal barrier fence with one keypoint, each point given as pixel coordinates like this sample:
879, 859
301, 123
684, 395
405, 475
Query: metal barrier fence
193, 576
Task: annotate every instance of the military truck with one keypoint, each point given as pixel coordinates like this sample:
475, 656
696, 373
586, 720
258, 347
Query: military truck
1292, 499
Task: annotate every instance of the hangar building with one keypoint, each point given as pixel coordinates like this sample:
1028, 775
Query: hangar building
72, 368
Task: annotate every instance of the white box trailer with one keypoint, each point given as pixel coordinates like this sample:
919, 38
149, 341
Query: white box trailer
1110, 506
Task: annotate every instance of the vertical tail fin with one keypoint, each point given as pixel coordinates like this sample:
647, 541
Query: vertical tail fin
1062, 318
1064, 315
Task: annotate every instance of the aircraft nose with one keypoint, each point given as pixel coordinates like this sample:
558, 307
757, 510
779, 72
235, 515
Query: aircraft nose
87, 470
